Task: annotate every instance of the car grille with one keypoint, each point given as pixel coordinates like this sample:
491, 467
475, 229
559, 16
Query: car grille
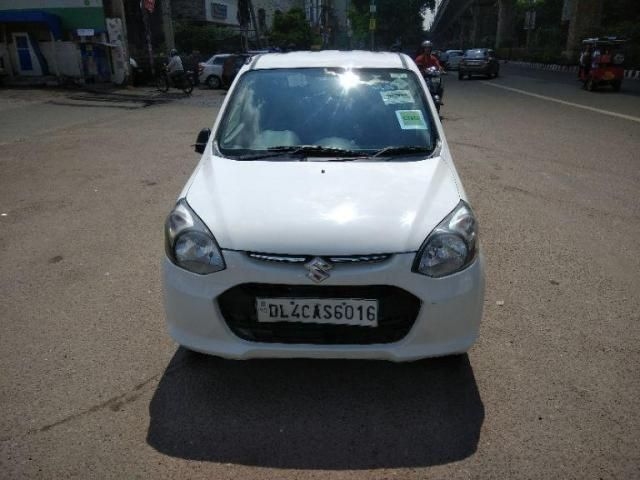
349, 259
397, 312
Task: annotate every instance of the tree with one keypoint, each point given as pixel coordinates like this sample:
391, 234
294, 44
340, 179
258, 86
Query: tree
396, 20
204, 38
291, 28
504, 30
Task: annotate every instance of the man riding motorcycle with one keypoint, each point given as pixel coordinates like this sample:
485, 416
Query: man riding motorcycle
175, 68
427, 59
431, 69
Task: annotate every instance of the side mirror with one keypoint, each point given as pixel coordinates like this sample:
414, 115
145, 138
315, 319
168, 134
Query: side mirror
201, 141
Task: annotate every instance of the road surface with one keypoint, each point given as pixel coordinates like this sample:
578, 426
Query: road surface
92, 386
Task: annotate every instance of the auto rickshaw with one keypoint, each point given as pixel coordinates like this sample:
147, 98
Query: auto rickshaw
602, 62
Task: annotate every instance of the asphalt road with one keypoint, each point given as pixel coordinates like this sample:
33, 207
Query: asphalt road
92, 386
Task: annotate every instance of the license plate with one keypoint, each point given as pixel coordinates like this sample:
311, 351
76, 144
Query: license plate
335, 311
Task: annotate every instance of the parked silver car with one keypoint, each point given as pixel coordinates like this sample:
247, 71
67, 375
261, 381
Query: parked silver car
210, 72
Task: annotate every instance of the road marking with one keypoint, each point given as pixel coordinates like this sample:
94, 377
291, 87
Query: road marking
564, 102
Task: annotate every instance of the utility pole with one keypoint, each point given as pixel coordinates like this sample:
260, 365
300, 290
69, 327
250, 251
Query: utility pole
252, 13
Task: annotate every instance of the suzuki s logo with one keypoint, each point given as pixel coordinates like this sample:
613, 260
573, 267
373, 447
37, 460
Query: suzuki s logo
318, 269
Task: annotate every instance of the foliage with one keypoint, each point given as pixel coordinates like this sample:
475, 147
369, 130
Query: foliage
204, 38
395, 19
291, 28
620, 18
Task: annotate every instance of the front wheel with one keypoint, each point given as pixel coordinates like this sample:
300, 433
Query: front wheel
162, 83
188, 85
616, 85
460, 76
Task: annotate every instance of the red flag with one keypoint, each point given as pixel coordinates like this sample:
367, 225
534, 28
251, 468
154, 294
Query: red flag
149, 5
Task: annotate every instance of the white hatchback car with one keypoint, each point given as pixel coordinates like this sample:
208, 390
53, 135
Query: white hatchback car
325, 219
210, 72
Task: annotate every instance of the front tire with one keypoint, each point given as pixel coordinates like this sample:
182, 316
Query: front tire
460, 76
188, 86
616, 85
162, 83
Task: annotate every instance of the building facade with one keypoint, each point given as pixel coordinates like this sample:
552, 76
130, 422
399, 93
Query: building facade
219, 12
49, 40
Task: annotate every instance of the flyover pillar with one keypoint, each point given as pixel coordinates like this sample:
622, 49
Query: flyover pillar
585, 20
506, 16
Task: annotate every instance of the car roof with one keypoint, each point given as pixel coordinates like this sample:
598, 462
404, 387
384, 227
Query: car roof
219, 55
331, 58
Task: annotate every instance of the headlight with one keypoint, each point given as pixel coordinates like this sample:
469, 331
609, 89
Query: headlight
189, 244
451, 246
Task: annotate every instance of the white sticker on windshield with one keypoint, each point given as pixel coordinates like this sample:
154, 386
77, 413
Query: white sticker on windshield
398, 75
411, 120
400, 84
394, 97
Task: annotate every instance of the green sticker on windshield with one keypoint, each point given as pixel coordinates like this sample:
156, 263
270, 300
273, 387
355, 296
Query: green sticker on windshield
411, 120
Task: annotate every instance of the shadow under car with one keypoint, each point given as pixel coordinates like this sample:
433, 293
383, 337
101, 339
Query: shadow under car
316, 414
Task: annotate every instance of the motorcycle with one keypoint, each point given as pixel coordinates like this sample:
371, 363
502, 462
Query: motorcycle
433, 77
185, 82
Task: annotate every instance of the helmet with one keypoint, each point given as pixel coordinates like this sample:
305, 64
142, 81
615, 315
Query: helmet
173, 52
427, 44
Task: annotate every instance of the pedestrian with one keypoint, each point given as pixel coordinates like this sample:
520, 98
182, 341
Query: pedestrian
585, 62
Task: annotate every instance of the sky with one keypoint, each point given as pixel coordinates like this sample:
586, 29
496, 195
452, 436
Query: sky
428, 18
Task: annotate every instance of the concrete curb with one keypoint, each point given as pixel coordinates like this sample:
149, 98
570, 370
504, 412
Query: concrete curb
628, 74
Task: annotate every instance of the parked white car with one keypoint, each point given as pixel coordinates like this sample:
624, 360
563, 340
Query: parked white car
325, 219
210, 72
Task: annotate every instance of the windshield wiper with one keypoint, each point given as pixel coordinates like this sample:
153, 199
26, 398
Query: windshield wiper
303, 151
393, 151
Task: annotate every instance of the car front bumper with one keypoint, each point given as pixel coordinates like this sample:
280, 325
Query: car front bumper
447, 323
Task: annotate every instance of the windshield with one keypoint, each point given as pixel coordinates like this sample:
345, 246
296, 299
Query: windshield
476, 53
357, 111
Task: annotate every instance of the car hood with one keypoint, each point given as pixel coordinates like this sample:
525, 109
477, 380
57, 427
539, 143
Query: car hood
322, 208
